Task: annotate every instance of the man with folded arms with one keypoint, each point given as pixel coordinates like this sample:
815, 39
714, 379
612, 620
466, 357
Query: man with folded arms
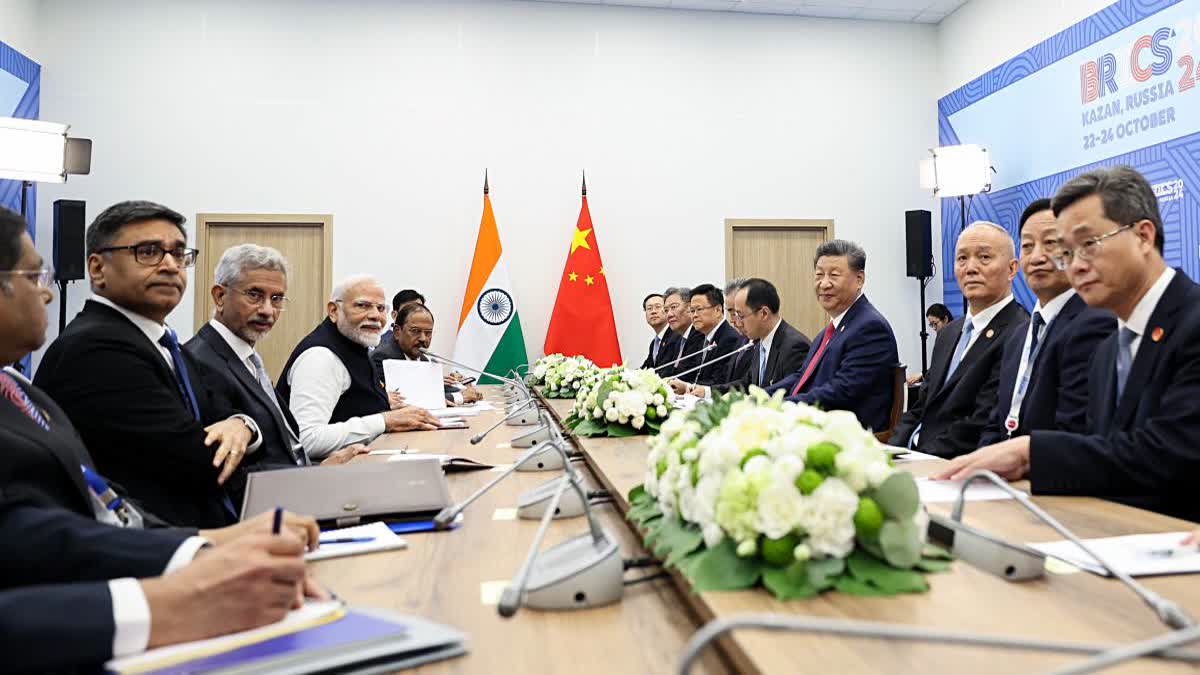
1044, 373
961, 386
1143, 412
119, 374
412, 331
330, 383
849, 367
780, 349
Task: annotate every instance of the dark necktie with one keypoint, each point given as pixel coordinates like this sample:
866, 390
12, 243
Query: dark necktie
169, 341
812, 365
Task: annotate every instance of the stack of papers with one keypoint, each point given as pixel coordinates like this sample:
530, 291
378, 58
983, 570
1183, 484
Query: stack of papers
935, 491
1136, 554
420, 382
378, 536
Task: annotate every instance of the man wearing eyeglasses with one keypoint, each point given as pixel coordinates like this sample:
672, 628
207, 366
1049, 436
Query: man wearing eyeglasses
412, 331
707, 307
131, 392
683, 355
1044, 371
1143, 412
330, 383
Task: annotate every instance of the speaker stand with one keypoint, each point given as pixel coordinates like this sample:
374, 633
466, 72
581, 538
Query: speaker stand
924, 328
62, 305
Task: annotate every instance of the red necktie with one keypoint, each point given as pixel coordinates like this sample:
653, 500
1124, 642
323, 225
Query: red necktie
812, 365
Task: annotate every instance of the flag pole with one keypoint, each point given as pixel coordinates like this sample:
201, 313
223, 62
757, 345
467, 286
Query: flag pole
584, 183
485, 181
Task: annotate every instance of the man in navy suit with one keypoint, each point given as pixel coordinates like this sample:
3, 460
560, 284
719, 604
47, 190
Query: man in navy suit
665, 341
682, 355
718, 338
850, 365
739, 364
961, 386
1143, 414
1044, 372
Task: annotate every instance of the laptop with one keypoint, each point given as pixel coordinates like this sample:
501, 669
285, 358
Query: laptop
350, 494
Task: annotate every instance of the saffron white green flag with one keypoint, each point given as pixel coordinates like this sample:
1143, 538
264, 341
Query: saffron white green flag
489, 329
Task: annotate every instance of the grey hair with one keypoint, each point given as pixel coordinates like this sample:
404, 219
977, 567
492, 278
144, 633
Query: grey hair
841, 248
684, 292
1012, 247
733, 285
339, 291
236, 261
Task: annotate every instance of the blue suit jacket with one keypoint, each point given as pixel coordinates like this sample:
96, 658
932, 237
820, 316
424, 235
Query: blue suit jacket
855, 372
1057, 394
1142, 449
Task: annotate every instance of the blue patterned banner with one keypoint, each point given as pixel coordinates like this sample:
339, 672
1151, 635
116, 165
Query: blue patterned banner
1119, 87
20, 93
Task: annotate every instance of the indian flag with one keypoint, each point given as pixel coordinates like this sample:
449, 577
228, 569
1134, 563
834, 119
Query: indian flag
489, 330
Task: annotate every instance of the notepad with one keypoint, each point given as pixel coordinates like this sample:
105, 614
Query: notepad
420, 382
384, 540
935, 491
1137, 555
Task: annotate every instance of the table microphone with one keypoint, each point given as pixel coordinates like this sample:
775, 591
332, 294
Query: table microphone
719, 359
674, 363
442, 359
1168, 612
446, 516
521, 407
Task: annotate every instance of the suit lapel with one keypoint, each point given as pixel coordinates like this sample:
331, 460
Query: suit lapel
241, 373
139, 341
57, 441
779, 343
943, 351
1150, 349
993, 331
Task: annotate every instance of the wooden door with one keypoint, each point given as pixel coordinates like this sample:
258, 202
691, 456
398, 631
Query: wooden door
780, 251
306, 242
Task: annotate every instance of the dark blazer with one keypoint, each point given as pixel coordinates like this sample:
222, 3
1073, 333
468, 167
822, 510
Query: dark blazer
1142, 449
788, 349
725, 340
669, 347
1057, 394
692, 345
954, 413
123, 398
225, 373
855, 372
60, 569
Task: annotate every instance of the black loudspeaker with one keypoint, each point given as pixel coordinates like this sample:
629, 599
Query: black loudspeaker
69, 217
918, 239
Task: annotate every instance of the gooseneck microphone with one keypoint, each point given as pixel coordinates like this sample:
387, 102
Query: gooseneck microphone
674, 363
1168, 612
719, 359
442, 359
515, 411
447, 515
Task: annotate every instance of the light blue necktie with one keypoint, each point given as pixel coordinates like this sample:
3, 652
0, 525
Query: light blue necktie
961, 350
1124, 359
762, 364
654, 349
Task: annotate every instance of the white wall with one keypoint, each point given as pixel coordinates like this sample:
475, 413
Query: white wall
385, 114
19, 27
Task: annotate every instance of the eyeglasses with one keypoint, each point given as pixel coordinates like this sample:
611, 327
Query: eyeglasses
42, 278
697, 310
1087, 251
365, 306
419, 332
675, 307
256, 297
150, 253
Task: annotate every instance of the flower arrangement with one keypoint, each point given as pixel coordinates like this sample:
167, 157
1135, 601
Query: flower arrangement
561, 376
754, 489
620, 402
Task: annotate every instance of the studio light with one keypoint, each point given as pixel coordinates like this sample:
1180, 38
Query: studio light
957, 170
37, 151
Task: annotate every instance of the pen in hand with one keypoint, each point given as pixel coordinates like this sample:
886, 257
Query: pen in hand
278, 522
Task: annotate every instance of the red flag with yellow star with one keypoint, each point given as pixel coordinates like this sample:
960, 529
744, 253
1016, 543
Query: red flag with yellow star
582, 321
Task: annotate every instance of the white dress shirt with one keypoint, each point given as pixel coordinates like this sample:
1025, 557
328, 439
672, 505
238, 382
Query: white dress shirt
765, 346
837, 320
242, 349
1048, 312
1140, 316
318, 378
154, 331
131, 612
980, 321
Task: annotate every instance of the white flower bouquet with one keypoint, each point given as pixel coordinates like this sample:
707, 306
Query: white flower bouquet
620, 402
561, 376
754, 489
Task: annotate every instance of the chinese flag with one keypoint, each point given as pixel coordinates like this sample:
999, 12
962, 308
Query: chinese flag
582, 321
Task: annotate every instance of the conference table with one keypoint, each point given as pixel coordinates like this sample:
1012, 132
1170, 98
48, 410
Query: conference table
455, 577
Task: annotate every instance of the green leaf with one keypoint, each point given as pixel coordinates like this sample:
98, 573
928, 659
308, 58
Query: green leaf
616, 430
789, 583
643, 512
898, 496
901, 543
676, 540
935, 551
823, 572
720, 569
638, 494
586, 427
933, 565
871, 570
653, 530
851, 586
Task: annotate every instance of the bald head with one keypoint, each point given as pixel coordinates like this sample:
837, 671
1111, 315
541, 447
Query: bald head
984, 264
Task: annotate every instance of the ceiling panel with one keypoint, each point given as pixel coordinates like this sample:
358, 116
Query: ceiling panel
906, 11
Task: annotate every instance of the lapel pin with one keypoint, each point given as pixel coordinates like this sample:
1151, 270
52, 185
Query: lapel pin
989, 334
1157, 334
841, 328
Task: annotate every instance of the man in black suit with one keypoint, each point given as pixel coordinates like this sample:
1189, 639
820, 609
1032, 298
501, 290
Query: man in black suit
131, 392
249, 295
412, 331
707, 307
779, 349
1044, 373
739, 364
664, 344
682, 356
851, 365
960, 389
1143, 412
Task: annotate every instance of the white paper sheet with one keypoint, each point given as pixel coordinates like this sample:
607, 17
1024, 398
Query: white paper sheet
420, 382
384, 540
1136, 554
911, 456
935, 491
453, 412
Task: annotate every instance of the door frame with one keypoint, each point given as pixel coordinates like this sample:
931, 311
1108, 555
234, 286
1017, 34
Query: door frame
206, 260
824, 225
